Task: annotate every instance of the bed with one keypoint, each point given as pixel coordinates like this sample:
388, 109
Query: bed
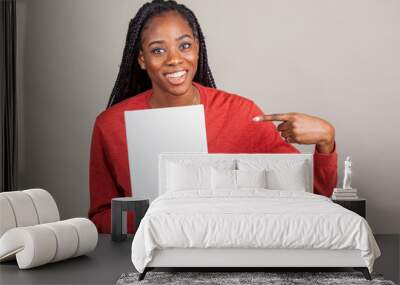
247, 210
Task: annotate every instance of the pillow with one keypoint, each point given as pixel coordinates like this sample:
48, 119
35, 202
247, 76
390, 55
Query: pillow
198, 162
181, 177
281, 174
293, 178
251, 178
223, 179
185, 174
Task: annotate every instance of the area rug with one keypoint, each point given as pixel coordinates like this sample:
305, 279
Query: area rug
269, 278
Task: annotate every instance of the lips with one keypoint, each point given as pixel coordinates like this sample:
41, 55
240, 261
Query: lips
176, 77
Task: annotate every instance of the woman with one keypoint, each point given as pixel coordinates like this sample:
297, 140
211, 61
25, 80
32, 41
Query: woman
164, 65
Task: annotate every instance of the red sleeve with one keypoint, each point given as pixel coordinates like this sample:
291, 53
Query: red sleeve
325, 172
325, 165
102, 186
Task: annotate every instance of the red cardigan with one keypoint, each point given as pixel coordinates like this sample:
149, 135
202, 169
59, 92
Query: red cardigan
229, 128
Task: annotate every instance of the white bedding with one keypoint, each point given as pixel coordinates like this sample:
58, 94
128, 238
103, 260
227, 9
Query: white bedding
250, 218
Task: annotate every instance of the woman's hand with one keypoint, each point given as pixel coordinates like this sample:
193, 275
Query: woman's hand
303, 129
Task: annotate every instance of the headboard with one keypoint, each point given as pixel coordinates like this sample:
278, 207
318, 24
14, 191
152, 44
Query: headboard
165, 158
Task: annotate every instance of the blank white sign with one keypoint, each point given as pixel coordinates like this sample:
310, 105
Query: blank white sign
153, 131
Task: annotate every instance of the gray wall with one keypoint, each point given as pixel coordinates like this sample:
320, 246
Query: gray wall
334, 59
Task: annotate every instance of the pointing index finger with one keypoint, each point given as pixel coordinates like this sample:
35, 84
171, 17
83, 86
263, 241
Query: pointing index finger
272, 117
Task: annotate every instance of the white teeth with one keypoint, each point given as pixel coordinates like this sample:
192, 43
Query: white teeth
176, 74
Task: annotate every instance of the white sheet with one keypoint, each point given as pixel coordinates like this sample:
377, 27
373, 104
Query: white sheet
150, 132
251, 218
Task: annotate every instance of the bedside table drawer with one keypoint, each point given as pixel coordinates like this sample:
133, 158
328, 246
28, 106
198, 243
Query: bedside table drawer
357, 206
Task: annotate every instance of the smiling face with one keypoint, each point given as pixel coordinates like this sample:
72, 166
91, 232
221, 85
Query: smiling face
169, 53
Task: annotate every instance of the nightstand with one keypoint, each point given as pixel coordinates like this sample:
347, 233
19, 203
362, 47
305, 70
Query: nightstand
358, 206
119, 207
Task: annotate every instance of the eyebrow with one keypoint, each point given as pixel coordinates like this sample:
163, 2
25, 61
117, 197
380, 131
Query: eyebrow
177, 39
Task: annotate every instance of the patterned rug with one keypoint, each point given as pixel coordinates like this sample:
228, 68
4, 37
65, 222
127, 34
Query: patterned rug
269, 278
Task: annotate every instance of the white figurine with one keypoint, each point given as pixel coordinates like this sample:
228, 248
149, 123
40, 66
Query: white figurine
347, 174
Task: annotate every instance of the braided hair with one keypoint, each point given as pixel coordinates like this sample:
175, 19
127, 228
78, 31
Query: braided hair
131, 79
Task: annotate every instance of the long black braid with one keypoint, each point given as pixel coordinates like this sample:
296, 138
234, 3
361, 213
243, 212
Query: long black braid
131, 79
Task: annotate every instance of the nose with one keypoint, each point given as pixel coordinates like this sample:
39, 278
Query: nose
174, 57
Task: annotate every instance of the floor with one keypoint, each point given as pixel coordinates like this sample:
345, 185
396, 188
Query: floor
388, 263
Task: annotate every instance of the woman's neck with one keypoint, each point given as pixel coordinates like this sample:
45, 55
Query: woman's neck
159, 99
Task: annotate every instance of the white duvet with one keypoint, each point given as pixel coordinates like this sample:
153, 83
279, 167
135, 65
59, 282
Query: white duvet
250, 218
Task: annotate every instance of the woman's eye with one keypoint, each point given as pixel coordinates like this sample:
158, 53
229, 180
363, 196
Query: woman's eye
158, 51
186, 45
